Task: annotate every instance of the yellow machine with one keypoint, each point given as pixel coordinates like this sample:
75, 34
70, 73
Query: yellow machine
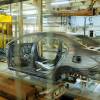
5, 29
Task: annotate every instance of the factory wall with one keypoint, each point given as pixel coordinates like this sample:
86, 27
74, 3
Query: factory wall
92, 23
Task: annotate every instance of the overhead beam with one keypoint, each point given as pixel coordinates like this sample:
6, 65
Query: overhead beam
4, 2
90, 11
83, 12
92, 4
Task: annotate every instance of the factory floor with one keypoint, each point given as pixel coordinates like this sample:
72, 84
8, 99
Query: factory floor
5, 71
11, 87
4, 68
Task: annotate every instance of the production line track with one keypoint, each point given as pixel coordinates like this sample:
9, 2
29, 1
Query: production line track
14, 89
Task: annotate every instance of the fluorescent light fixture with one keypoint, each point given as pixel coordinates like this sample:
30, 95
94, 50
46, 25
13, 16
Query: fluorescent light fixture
60, 3
65, 2
29, 12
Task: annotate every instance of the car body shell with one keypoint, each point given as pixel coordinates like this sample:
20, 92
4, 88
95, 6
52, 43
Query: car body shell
75, 58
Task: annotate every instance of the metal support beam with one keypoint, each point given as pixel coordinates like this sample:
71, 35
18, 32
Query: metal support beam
40, 18
16, 23
38, 4
20, 18
85, 26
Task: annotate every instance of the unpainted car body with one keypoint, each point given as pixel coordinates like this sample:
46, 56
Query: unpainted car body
53, 55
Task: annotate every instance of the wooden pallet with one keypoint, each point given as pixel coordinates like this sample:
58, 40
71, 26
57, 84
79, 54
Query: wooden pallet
2, 98
15, 89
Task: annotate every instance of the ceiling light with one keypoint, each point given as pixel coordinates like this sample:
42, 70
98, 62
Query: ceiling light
60, 3
66, 2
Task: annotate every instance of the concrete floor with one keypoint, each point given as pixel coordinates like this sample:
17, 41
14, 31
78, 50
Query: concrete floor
3, 67
4, 70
